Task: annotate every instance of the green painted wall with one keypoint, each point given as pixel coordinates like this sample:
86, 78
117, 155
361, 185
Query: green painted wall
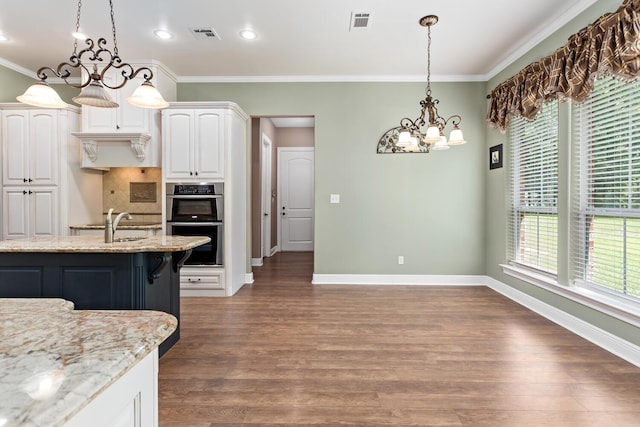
427, 207
445, 212
497, 190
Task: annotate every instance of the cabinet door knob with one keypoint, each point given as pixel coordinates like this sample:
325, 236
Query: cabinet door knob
30, 192
24, 191
190, 173
196, 173
30, 180
24, 179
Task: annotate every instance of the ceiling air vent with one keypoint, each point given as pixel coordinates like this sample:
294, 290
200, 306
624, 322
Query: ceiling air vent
205, 33
359, 21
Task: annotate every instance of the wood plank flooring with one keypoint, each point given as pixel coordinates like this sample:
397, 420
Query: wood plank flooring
283, 352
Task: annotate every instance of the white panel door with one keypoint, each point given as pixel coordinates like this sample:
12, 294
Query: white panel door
178, 137
296, 182
43, 147
15, 213
15, 147
43, 203
209, 144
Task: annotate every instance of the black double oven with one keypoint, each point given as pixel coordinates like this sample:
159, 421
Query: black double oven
197, 210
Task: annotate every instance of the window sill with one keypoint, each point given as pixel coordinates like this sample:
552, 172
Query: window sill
617, 307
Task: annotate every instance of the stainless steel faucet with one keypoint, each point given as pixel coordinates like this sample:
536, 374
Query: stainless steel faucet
110, 227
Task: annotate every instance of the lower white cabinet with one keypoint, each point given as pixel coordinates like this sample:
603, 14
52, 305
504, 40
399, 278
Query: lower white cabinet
201, 281
131, 401
29, 212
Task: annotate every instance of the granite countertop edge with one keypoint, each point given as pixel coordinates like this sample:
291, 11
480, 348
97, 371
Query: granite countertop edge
81, 352
96, 244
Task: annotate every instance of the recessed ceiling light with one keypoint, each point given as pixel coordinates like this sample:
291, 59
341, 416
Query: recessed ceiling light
248, 34
3, 38
163, 34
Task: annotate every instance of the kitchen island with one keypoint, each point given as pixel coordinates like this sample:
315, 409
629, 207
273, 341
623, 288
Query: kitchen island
132, 273
60, 366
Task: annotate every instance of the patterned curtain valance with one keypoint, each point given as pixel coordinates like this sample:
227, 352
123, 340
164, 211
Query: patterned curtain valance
611, 45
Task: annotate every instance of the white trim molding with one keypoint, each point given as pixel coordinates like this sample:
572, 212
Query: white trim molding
256, 262
593, 334
248, 278
397, 279
603, 339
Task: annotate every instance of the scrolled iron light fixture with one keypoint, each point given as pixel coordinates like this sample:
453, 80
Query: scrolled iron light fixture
408, 137
93, 85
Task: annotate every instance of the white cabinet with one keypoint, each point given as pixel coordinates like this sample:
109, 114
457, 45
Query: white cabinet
193, 144
202, 281
131, 401
43, 186
30, 151
125, 118
29, 211
126, 136
207, 141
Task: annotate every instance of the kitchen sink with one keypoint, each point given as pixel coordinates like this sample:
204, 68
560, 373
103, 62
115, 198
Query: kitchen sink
128, 239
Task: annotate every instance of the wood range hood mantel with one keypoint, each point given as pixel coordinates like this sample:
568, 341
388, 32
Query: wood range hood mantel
91, 141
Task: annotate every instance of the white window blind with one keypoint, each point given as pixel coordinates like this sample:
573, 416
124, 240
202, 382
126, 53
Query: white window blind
606, 233
533, 229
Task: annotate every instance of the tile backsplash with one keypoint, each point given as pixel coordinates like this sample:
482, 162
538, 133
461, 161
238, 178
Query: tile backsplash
116, 192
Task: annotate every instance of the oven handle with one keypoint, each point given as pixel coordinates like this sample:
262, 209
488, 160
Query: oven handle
194, 196
194, 224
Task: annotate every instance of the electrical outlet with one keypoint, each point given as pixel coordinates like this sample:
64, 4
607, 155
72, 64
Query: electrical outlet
400, 260
335, 198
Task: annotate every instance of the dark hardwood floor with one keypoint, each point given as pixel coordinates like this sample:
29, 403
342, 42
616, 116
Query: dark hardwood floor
284, 352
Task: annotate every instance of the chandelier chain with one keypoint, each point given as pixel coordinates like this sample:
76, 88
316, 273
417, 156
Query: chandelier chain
113, 29
75, 39
429, 60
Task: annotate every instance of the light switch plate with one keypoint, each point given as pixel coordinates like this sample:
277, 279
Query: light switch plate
335, 198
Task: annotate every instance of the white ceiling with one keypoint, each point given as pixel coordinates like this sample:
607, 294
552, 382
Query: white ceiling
298, 40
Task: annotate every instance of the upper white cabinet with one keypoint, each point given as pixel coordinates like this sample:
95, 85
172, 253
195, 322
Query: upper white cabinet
30, 148
194, 144
126, 136
43, 186
126, 117
207, 141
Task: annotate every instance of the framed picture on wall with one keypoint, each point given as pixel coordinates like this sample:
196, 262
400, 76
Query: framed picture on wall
495, 157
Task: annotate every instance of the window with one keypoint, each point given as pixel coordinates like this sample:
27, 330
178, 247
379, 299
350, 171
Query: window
533, 230
606, 205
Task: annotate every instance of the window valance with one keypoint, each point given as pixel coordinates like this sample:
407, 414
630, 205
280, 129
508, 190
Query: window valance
611, 45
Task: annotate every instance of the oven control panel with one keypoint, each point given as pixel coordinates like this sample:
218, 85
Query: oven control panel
193, 189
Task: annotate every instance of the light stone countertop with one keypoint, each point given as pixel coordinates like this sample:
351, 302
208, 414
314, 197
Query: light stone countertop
95, 244
55, 360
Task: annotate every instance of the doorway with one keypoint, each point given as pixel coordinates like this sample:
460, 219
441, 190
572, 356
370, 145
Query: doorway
268, 135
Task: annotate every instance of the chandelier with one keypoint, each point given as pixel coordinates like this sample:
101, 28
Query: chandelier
92, 81
409, 137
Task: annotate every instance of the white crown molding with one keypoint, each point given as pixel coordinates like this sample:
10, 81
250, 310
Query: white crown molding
545, 31
330, 79
17, 68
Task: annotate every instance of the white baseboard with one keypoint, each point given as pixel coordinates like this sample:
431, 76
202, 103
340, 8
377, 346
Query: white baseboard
599, 337
274, 250
603, 339
248, 278
397, 279
256, 262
